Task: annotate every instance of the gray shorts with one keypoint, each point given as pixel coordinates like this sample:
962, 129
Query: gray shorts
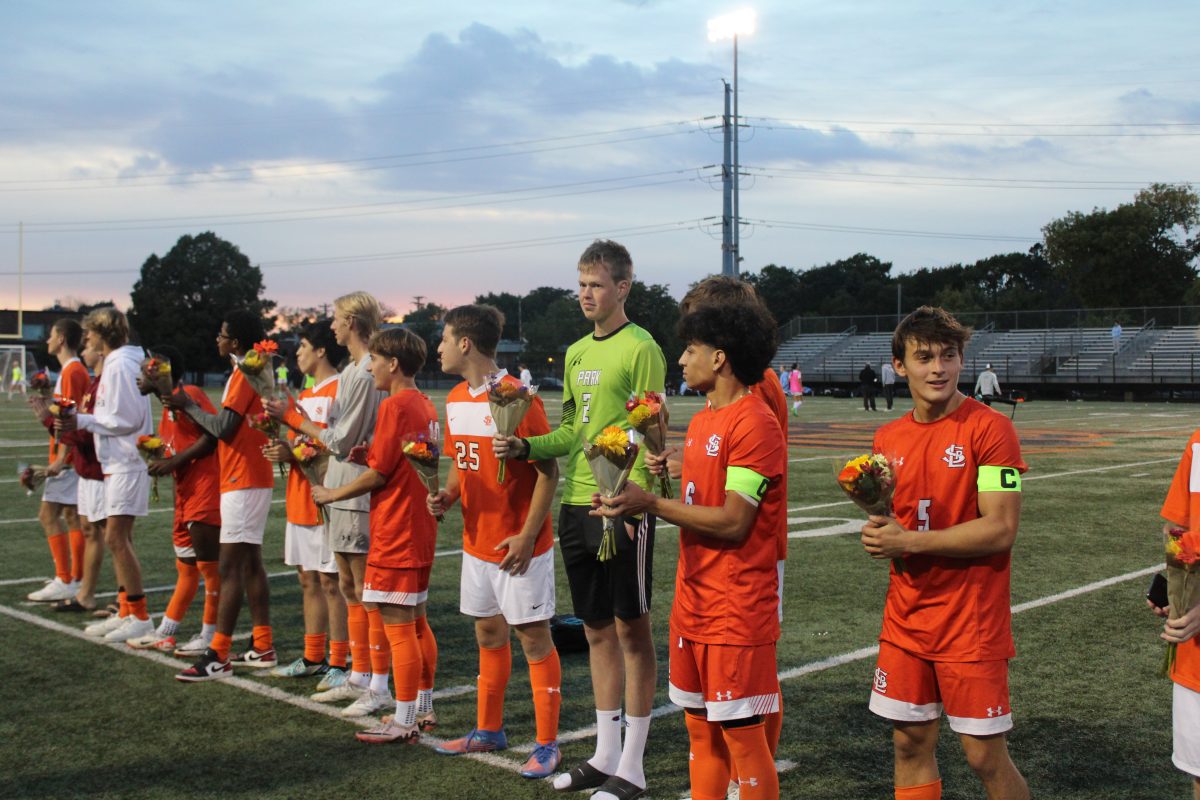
348, 531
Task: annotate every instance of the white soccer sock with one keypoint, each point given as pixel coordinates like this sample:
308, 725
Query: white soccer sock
406, 712
630, 768
424, 701
379, 683
168, 626
207, 630
608, 746
360, 679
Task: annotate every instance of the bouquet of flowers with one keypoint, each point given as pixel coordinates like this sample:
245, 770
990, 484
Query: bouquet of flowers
61, 408
30, 477
153, 449
157, 371
421, 450
610, 456
256, 366
508, 402
869, 480
648, 416
262, 421
313, 458
40, 382
1183, 578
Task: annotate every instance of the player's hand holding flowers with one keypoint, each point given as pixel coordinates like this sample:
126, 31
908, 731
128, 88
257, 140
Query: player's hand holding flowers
611, 456
1183, 589
870, 480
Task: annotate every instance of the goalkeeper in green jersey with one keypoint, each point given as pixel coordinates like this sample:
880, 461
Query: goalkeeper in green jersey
603, 369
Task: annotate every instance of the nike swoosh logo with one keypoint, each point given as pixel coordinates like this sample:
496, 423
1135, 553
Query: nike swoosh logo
539, 605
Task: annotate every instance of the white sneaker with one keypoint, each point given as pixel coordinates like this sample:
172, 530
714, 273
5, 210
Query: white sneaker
347, 691
54, 591
153, 641
105, 626
194, 647
369, 703
133, 628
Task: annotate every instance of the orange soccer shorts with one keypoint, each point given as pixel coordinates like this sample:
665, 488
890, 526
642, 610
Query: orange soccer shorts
728, 681
397, 587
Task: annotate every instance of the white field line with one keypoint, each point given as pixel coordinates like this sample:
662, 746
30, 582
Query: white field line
17, 581
170, 510
254, 687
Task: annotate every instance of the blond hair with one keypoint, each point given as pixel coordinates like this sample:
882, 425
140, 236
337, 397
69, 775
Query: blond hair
364, 312
608, 254
109, 324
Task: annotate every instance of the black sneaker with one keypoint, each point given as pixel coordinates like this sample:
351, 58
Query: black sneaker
209, 667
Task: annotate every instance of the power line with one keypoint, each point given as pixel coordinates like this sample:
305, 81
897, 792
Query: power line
901, 232
950, 181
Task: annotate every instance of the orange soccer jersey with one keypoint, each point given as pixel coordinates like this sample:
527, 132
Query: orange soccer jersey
491, 511
725, 592
939, 608
72, 384
198, 484
402, 530
316, 402
772, 394
1182, 507
242, 463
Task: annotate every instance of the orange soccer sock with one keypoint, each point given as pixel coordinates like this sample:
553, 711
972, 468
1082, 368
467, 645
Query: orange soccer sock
774, 724
78, 545
360, 638
709, 763
337, 653
314, 646
220, 644
545, 677
211, 570
186, 584
137, 606
60, 551
429, 654
748, 749
262, 638
495, 667
122, 602
381, 653
926, 791
406, 669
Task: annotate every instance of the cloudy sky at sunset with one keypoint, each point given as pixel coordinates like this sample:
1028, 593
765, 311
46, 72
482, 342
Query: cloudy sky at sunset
454, 148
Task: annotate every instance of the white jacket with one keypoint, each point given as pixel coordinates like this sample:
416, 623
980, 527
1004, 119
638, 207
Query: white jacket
121, 414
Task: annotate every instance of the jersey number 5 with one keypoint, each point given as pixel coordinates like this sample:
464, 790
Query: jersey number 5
467, 455
923, 514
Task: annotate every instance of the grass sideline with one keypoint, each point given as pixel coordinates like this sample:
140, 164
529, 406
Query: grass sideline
1092, 716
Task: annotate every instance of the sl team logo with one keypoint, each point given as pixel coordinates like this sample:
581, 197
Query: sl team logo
955, 458
713, 448
880, 681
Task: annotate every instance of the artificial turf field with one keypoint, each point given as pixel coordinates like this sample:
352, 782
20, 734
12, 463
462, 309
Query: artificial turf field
1092, 715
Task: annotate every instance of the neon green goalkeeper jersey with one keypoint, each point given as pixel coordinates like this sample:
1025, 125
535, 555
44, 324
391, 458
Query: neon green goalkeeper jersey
600, 375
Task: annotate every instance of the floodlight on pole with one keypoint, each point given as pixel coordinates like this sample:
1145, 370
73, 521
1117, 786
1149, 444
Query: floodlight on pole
730, 26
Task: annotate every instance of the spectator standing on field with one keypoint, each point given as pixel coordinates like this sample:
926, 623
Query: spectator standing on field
526, 375
987, 386
867, 380
888, 381
796, 388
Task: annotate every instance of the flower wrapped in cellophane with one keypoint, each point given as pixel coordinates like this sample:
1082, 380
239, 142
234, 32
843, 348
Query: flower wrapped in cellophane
870, 480
257, 366
40, 382
611, 456
61, 408
157, 371
508, 401
1183, 579
648, 416
30, 476
267, 425
422, 451
153, 449
312, 457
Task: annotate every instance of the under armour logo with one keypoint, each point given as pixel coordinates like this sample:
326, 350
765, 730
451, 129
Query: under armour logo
725, 695
553, 690
748, 781
998, 711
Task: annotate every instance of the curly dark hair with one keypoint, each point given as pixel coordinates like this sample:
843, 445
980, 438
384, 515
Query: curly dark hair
245, 326
320, 336
745, 331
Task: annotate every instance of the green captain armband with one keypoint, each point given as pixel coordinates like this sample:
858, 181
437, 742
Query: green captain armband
746, 482
998, 479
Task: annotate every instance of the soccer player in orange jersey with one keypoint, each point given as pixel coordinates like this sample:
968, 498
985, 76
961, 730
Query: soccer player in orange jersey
508, 543
947, 634
247, 480
305, 545
59, 495
402, 530
724, 618
196, 469
1182, 510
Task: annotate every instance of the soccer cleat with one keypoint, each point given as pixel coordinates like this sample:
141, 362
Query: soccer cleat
209, 667
345, 691
427, 721
389, 731
542, 763
132, 628
259, 659
105, 626
194, 647
54, 591
369, 703
333, 678
477, 741
153, 641
300, 669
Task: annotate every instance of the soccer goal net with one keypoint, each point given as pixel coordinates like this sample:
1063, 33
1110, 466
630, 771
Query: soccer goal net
16, 366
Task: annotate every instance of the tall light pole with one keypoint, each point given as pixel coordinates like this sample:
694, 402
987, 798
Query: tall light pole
730, 26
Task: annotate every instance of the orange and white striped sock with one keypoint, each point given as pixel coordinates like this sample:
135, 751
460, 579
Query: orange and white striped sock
262, 638
748, 749
495, 667
337, 653
406, 669
926, 791
360, 644
709, 761
211, 570
429, 657
314, 647
60, 551
78, 544
221, 643
186, 584
545, 677
381, 654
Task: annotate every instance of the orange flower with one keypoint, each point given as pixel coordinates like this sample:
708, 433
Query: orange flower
266, 346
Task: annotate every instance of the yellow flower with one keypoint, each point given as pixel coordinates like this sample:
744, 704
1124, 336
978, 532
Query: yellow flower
639, 415
1174, 548
253, 359
612, 441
